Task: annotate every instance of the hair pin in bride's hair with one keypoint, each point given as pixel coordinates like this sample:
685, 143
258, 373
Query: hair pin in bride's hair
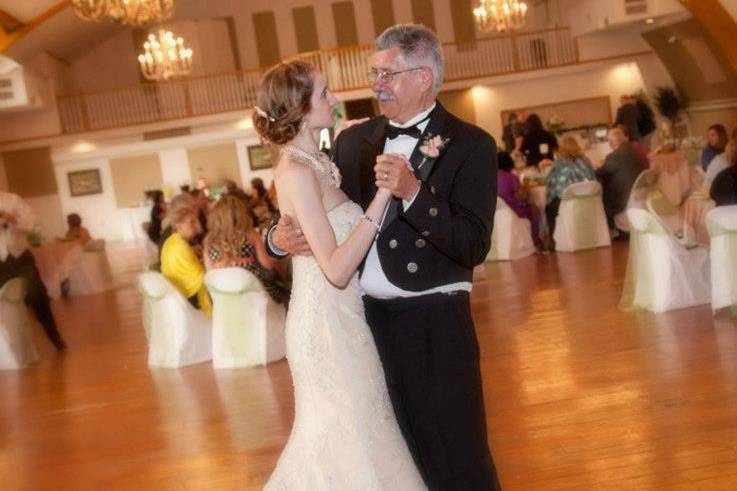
263, 114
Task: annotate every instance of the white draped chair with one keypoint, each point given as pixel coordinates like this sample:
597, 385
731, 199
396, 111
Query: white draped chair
178, 334
91, 274
511, 237
661, 273
581, 222
17, 349
722, 225
248, 326
645, 183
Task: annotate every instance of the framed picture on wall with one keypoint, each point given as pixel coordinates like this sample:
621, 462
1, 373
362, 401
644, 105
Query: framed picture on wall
260, 157
85, 182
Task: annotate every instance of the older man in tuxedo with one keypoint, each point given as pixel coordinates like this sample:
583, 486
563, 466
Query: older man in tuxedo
417, 275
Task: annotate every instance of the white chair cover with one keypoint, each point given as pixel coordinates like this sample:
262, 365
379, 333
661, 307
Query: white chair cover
581, 222
661, 274
722, 225
248, 326
668, 214
17, 349
92, 272
178, 334
511, 237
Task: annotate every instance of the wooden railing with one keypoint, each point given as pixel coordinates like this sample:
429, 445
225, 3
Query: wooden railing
344, 68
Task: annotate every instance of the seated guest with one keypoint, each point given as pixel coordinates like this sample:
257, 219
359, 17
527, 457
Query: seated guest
515, 195
232, 240
203, 207
518, 155
724, 188
158, 213
716, 140
179, 262
16, 260
720, 162
618, 174
76, 230
570, 166
538, 143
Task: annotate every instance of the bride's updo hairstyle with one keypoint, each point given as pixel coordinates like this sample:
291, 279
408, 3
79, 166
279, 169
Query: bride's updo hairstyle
283, 101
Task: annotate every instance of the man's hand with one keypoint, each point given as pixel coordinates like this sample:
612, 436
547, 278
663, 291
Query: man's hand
288, 237
394, 172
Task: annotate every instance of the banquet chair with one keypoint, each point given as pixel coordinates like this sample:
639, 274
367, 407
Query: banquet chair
645, 183
581, 222
661, 273
511, 237
721, 223
92, 273
247, 325
668, 214
17, 349
178, 334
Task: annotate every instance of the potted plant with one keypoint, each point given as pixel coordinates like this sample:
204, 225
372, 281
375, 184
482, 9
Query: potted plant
670, 102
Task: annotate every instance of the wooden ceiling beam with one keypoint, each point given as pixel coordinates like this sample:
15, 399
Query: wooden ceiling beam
8, 38
720, 25
9, 23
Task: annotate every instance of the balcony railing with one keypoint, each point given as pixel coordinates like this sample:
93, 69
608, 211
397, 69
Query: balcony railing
345, 70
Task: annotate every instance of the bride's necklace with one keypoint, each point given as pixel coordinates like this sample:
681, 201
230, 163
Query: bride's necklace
318, 161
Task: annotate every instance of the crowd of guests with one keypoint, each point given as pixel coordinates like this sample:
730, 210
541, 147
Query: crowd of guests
529, 145
195, 234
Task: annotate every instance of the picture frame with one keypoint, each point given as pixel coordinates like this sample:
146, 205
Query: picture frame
84, 182
260, 157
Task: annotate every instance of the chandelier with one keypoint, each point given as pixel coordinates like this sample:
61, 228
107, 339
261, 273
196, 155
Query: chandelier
165, 57
128, 12
500, 15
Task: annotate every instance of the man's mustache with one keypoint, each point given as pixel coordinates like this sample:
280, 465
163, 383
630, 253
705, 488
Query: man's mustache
382, 96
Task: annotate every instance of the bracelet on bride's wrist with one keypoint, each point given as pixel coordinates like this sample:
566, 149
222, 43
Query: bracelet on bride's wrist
370, 221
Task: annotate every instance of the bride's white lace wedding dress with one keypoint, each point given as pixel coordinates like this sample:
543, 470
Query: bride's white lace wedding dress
345, 435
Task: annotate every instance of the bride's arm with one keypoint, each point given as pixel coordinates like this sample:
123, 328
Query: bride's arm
337, 262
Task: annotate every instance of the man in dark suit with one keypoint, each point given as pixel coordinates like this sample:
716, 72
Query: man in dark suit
417, 275
618, 174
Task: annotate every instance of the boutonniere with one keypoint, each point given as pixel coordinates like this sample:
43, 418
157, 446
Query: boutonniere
431, 147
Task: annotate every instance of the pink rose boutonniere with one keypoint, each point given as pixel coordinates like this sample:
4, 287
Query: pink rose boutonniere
431, 147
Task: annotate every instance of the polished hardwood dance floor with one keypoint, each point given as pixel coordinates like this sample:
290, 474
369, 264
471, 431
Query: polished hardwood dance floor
579, 396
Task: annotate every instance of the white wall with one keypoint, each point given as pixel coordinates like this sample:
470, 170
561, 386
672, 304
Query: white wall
50, 219
601, 79
100, 213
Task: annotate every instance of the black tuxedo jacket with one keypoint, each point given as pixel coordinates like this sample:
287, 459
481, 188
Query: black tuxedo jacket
447, 230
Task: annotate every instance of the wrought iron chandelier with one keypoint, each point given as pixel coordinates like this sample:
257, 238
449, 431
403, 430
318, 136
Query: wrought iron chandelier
500, 15
127, 12
165, 57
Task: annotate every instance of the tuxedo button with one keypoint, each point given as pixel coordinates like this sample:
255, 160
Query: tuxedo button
420, 243
412, 267
433, 212
393, 244
426, 233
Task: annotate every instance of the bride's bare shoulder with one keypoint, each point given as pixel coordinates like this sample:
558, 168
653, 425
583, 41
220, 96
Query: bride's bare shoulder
288, 167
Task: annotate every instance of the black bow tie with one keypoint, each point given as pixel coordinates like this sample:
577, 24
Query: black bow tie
394, 131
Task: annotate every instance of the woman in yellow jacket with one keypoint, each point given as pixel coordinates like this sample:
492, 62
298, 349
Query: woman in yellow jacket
179, 262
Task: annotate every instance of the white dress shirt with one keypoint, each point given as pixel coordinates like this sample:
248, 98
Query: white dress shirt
373, 279
13, 236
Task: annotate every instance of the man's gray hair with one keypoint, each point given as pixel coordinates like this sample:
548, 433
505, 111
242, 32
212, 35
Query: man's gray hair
417, 44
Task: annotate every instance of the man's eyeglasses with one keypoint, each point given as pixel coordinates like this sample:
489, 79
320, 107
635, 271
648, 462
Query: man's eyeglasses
385, 76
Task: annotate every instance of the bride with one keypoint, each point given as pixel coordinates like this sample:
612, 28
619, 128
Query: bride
345, 435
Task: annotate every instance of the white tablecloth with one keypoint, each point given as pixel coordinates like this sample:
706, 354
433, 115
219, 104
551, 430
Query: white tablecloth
55, 262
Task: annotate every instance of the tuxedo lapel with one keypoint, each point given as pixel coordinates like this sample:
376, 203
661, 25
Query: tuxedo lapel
370, 147
438, 125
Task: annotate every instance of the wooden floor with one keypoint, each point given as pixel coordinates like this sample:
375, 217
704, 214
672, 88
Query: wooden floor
579, 396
